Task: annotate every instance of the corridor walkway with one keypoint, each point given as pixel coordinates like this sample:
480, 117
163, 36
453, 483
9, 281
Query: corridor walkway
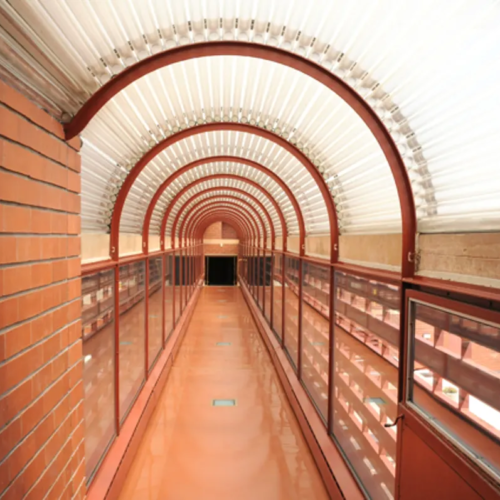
194, 450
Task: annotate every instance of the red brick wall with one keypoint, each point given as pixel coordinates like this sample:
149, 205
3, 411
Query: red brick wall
228, 232
41, 387
213, 232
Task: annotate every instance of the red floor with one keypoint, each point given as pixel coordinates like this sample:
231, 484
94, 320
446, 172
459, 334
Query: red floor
193, 450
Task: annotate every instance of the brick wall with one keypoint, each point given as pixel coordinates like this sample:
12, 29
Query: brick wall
41, 387
228, 232
213, 232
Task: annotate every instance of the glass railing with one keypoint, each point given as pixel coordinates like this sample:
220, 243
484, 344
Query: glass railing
114, 349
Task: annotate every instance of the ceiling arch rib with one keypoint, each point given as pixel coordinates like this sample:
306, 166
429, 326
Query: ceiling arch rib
209, 206
198, 232
225, 201
199, 186
318, 73
198, 236
248, 173
236, 183
216, 215
226, 128
215, 193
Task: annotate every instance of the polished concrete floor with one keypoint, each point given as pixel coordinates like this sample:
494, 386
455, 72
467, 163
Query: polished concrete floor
194, 450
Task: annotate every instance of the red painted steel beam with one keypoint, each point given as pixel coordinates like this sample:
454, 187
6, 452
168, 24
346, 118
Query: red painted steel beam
217, 204
254, 227
219, 216
199, 181
292, 60
234, 159
232, 190
211, 127
240, 231
259, 223
216, 215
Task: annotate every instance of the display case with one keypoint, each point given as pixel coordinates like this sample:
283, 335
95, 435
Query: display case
132, 323
97, 302
315, 334
155, 309
278, 296
169, 295
291, 333
98, 335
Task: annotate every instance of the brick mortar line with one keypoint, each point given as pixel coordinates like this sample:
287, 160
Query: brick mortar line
39, 127
45, 416
81, 422
36, 289
38, 181
41, 450
34, 207
8, 391
4, 104
66, 466
82, 484
10, 265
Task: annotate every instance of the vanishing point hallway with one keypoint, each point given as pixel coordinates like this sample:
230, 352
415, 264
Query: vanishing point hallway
194, 450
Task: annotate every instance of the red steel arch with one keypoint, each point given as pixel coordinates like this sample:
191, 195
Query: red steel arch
252, 223
292, 60
199, 181
217, 203
240, 231
240, 191
251, 234
213, 127
213, 159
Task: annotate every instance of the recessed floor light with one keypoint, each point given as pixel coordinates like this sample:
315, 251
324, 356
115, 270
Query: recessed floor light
222, 300
223, 343
125, 342
222, 316
318, 343
224, 402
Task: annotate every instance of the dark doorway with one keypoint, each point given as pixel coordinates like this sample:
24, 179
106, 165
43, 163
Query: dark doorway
220, 271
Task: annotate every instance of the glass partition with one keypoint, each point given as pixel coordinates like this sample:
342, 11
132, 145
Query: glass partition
315, 333
169, 293
98, 332
455, 375
278, 295
177, 289
291, 287
365, 379
132, 333
260, 281
268, 265
155, 309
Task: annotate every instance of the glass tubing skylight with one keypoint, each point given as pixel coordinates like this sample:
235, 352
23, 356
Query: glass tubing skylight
428, 68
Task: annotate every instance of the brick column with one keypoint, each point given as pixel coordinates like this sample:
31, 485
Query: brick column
41, 386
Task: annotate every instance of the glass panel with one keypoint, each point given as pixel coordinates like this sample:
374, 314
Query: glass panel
292, 308
315, 333
259, 278
155, 309
177, 289
365, 379
268, 286
455, 368
278, 295
169, 292
132, 333
98, 332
